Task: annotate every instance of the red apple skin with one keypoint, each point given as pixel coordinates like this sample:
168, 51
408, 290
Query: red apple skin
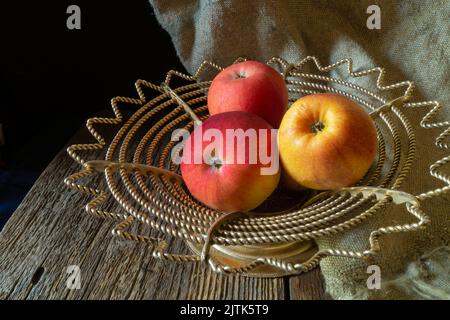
249, 86
336, 156
233, 186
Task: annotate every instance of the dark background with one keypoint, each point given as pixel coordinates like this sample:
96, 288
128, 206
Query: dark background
53, 78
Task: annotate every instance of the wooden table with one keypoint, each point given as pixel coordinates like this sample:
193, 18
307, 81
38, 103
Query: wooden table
50, 231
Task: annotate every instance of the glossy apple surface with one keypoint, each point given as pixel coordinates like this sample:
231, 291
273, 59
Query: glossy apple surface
249, 86
220, 180
326, 141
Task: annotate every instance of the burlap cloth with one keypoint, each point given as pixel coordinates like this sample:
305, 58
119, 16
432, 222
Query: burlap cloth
413, 44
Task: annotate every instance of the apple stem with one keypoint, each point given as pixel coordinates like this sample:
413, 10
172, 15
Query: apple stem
213, 160
317, 127
216, 164
182, 103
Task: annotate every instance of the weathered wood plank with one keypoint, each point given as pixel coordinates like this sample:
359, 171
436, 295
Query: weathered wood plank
307, 286
50, 231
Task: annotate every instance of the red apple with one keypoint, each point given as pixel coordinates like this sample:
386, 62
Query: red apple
249, 86
222, 164
326, 141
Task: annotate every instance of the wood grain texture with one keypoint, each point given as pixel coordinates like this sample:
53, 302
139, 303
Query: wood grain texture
307, 286
50, 231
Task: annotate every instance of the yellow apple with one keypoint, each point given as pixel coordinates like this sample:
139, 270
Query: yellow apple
326, 141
